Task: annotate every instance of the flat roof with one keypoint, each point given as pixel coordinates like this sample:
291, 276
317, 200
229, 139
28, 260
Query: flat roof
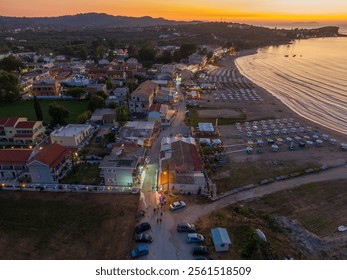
70, 130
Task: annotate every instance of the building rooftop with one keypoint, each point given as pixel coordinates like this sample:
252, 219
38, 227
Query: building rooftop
70, 130
26, 124
105, 111
125, 155
8, 122
15, 156
52, 155
146, 88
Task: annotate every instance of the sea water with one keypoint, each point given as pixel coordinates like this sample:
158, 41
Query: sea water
309, 76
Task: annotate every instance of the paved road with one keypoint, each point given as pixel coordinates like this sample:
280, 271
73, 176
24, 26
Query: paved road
168, 244
171, 245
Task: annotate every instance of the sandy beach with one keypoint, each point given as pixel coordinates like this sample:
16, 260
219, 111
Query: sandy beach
272, 107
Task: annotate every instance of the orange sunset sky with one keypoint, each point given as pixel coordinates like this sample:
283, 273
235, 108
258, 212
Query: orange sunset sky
211, 10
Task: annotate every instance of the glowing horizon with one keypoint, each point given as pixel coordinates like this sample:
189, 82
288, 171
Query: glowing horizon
253, 11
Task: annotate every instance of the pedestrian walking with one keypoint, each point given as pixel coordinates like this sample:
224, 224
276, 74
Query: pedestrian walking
160, 220
161, 214
154, 210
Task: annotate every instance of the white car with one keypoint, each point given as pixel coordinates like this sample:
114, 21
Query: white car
177, 205
195, 238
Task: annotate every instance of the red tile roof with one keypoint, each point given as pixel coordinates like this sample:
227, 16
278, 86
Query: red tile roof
26, 124
52, 155
8, 122
14, 156
154, 108
196, 158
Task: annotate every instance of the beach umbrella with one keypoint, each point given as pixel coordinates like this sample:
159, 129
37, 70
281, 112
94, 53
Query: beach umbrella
274, 148
319, 142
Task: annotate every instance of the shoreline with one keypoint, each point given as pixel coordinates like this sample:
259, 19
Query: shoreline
281, 106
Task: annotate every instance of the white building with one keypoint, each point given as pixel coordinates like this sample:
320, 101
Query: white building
220, 239
180, 166
71, 135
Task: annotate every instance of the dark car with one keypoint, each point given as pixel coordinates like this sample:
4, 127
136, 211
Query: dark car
200, 251
139, 251
186, 227
144, 237
142, 227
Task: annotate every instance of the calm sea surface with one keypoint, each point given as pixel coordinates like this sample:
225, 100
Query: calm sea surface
309, 76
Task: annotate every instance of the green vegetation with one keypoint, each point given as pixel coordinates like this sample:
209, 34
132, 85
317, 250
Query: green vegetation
76, 92
11, 64
58, 113
241, 223
122, 113
26, 109
84, 174
9, 89
96, 102
38, 109
239, 173
193, 118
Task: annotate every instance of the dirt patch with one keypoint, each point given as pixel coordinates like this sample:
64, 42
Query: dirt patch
241, 224
220, 113
66, 226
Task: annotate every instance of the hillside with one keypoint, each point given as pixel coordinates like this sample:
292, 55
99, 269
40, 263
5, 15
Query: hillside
88, 20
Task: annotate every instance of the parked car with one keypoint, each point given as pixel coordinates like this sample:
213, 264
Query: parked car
200, 251
195, 238
186, 227
177, 205
144, 237
139, 251
142, 227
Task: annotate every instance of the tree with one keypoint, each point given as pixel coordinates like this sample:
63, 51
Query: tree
101, 94
38, 109
75, 92
58, 113
147, 54
9, 87
122, 113
109, 84
96, 102
187, 49
166, 57
82, 118
112, 105
11, 63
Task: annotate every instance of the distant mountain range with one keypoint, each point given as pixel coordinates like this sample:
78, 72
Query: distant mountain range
89, 20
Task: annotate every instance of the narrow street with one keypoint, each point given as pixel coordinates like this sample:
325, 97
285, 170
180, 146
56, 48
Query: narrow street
167, 242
